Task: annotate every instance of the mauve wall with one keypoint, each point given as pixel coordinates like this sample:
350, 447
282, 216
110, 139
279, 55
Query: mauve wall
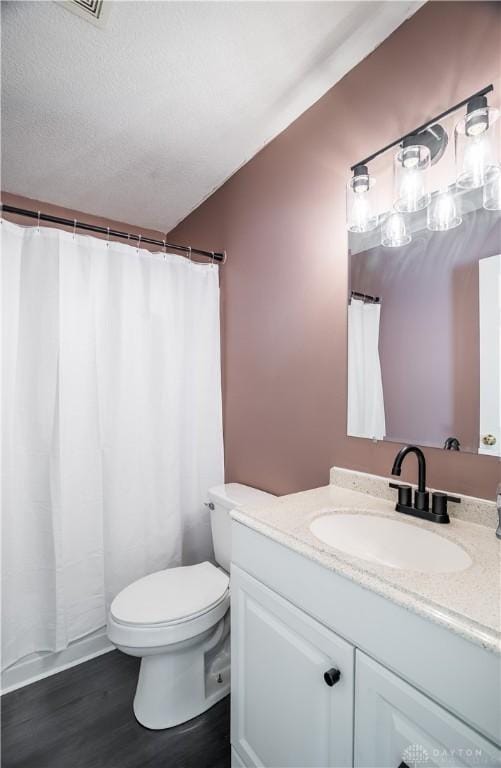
282, 220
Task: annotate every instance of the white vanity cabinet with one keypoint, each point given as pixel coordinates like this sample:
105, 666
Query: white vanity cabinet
409, 693
284, 712
395, 724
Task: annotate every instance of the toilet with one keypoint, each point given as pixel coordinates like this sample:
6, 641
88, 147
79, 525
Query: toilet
177, 622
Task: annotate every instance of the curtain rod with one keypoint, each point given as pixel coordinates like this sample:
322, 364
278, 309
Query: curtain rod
365, 297
420, 128
214, 255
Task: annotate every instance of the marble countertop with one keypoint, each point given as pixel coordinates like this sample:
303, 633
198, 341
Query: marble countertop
467, 602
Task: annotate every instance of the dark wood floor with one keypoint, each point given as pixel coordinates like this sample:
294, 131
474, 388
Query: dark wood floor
82, 718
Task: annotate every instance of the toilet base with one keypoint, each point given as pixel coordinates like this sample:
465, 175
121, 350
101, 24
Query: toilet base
176, 685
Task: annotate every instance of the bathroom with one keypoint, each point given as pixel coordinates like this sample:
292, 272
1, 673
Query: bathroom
251, 384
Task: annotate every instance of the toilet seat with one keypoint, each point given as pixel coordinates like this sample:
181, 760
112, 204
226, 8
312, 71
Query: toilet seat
176, 594
130, 636
169, 606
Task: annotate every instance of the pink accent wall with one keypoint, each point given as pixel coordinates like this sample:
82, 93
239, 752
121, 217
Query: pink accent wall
282, 220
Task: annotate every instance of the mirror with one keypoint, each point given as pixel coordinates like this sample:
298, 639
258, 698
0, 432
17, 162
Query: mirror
424, 324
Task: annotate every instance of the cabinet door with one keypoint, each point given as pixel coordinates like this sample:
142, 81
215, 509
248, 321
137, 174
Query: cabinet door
284, 713
395, 724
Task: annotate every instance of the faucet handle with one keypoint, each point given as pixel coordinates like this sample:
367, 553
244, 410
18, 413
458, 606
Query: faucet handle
404, 494
439, 504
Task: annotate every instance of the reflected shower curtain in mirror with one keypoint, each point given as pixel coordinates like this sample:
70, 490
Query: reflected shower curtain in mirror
112, 426
365, 387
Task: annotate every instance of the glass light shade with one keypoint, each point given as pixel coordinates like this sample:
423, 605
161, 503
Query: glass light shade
360, 214
394, 231
442, 212
411, 168
476, 147
492, 192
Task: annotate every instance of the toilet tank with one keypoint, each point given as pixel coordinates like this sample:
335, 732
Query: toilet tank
224, 498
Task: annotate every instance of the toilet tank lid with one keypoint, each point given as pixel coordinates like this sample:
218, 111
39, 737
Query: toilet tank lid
231, 495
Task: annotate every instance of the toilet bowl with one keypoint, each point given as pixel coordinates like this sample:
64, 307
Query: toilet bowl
172, 619
177, 621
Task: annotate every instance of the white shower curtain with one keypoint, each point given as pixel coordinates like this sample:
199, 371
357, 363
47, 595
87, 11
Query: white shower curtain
112, 426
365, 387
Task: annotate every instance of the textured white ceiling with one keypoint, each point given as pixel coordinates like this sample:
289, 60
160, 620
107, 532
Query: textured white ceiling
142, 119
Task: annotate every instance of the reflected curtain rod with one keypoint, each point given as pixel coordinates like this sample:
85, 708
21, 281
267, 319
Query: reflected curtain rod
366, 297
213, 255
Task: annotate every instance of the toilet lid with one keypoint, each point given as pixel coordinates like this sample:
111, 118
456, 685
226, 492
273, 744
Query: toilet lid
171, 595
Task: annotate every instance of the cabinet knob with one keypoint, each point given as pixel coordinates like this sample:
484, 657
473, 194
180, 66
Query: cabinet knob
332, 676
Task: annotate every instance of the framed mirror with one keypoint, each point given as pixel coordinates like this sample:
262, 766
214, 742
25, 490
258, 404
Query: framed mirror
424, 306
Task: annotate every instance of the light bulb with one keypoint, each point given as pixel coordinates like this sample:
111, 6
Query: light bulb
475, 160
442, 213
394, 231
361, 183
411, 178
360, 217
476, 138
410, 157
360, 212
411, 190
477, 123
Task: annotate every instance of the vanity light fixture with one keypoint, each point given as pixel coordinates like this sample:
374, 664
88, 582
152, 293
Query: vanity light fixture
476, 145
477, 164
359, 203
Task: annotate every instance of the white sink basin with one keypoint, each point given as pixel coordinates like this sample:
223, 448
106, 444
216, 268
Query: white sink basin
390, 542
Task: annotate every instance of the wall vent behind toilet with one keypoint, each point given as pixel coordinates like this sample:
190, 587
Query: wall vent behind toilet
95, 11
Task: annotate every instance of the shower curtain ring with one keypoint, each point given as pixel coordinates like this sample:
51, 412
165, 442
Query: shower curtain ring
108, 238
189, 248
38, 225
74, 228
165, 245
138, 243
213, 257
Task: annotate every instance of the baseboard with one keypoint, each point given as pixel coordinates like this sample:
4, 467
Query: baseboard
38, 666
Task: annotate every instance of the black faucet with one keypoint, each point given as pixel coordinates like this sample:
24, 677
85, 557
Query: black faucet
421, 506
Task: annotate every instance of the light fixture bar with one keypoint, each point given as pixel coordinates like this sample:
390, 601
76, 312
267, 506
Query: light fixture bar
483, 92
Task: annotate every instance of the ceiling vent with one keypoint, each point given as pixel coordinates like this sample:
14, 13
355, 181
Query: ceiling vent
95, 11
